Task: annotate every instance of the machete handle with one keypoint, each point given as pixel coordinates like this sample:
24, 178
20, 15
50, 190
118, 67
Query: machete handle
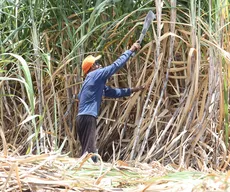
134, 53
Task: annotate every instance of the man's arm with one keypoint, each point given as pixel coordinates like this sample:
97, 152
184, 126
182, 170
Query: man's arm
120, 62
116, 93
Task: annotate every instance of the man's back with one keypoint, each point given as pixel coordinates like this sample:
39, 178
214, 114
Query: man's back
91, 93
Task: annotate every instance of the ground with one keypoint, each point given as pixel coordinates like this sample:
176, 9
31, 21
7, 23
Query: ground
56, 172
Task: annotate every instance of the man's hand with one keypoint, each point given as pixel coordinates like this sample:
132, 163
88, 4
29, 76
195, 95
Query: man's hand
136, 89
136, 46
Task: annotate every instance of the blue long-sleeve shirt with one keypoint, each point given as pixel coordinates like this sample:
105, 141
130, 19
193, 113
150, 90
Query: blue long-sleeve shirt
94, 87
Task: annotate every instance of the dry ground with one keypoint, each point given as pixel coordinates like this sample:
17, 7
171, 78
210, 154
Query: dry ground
55, 172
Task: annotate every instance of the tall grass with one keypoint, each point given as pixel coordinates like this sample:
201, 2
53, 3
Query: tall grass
181, 119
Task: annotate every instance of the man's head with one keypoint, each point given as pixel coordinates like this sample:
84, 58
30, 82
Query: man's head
90, 62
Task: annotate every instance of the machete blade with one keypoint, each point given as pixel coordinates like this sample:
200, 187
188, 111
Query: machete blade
148, 20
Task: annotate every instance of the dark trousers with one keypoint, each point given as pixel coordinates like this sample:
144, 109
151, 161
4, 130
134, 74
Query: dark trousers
86, 130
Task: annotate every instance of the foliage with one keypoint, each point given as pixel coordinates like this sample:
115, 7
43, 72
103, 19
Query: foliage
182, 118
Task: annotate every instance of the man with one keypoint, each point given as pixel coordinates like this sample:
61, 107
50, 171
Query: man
91, 93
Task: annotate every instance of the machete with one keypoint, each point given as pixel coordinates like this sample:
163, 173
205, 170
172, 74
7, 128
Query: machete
148, 20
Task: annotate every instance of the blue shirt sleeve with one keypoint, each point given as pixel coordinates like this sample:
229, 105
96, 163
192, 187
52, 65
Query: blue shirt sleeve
115, 66
116, 93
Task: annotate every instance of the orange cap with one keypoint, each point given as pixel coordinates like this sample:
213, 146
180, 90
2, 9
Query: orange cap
88, 62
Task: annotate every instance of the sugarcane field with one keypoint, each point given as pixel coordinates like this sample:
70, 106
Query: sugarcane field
114, 95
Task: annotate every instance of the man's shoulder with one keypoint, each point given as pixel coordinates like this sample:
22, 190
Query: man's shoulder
96, 74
